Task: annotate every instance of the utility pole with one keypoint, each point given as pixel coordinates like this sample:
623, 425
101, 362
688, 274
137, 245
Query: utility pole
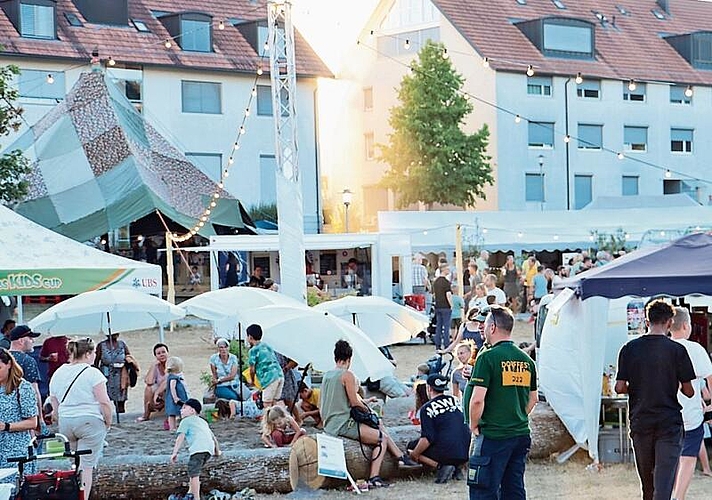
283, 77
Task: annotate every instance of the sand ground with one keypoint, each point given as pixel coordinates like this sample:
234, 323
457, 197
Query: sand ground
545, 480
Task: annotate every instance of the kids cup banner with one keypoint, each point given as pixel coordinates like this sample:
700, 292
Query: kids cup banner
76, 281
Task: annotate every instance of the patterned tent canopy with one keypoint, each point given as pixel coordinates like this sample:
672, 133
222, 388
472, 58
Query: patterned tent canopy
98, 166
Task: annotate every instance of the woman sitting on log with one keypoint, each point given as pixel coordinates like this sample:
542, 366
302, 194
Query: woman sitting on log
338, 396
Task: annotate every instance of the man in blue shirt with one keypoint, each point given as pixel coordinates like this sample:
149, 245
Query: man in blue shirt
20, 344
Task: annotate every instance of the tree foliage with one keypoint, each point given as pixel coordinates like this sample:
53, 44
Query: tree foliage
14, 167
431, 159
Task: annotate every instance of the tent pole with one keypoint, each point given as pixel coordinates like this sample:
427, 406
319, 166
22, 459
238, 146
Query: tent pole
20, 311
458, 260
239, 365
171, 296
161, 336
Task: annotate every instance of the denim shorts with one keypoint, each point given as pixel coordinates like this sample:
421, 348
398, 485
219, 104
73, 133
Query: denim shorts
692, 442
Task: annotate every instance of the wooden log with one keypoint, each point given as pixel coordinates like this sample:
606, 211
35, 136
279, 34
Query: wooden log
268, 470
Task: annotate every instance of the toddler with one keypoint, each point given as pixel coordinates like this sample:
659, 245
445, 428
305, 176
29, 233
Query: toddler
176, 393
279, 429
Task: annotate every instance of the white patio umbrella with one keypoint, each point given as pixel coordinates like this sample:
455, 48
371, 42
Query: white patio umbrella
231, 302
307, 335
384, 321
104, 311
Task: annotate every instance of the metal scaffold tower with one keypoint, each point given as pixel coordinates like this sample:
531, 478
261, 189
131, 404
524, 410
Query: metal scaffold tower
283, 78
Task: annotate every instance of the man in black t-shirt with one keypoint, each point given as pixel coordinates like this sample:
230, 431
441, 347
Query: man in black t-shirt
651, 368
444, 438
443, 308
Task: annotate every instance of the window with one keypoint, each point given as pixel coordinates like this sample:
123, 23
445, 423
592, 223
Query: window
541, 135
678, 96
268, 179
368, 99
370, 147
195, 35
406, 13
635, 95
568, 38
539, 85
534, 187
672, 186
635, 138
681, 140
589, 89
590, 137
201, 97
37, 19
393, 46
583, 190
140, 26
327, 263
264, 100
658, 15
629, 186
34, 83
208, 163
559, 4
72, 19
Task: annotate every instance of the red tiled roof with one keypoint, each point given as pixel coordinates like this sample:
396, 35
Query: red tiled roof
633, 49
232, 52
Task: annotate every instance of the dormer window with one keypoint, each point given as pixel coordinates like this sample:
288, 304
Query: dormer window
561, 36
696, 48
193, 31
37, 19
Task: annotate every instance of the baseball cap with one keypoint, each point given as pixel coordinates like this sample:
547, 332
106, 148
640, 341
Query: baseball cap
22, 331
195, 404
438, 382
482, 316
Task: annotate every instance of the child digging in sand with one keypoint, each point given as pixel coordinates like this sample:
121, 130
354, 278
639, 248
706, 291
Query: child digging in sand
279, 429
201, 445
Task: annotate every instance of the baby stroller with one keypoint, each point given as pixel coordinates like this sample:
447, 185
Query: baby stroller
50, 484
438, 363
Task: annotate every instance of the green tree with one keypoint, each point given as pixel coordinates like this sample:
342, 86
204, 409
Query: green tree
14, 167
431, 159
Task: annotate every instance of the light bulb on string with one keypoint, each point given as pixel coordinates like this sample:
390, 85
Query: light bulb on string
445, 54
50, 79
530, 70
242, 130
688, 91
201, 223
226, 173
567, 138
632, 85
230, 161
406, 45
221, 25
579, 78
590, 238
265, 47
668, 174
111, 61
484, 230
247, 111
520, 234
662, 233
254, 91
213, 204
168, 44
517, 119
216, 195
221, 185
620, 156
627, 236
203, 218
207, 211
556, 237
259, 70
485, 62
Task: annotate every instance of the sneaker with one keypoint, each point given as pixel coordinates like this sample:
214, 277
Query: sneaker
189, 496
175, 496
405, 462
444, 473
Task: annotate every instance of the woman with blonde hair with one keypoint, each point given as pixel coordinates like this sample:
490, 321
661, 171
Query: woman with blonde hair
18, 414
81, 404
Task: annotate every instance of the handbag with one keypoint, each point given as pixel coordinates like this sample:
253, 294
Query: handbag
366, 417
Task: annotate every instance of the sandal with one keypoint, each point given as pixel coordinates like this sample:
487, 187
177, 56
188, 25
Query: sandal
377, 482
405, 462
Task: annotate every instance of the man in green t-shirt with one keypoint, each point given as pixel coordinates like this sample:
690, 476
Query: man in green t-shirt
505, 393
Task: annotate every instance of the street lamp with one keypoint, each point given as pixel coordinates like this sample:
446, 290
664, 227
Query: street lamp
541, 178
346, 197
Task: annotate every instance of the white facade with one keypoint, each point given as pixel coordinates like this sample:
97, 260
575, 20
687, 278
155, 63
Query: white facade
613, 114
206, 138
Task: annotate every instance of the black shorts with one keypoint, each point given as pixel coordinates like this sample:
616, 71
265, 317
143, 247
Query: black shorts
196, 463
455, 323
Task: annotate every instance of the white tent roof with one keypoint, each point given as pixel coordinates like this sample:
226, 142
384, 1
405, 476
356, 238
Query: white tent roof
37, 261
539, 230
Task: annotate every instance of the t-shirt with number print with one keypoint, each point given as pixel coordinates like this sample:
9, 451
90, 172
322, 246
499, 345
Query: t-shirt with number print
509, 376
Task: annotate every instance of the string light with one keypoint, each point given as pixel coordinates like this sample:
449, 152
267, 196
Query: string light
50, 79
259, 70
517, 119
668, 174
556, 237
632, 85
485, 62
221, 25
406, 45
168, 44
445, 54
620, 155
266, 46
520, 234
579, 78
242, 130
688, 91
254, 91
567, 138
247, 113
111, 61
530, 70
